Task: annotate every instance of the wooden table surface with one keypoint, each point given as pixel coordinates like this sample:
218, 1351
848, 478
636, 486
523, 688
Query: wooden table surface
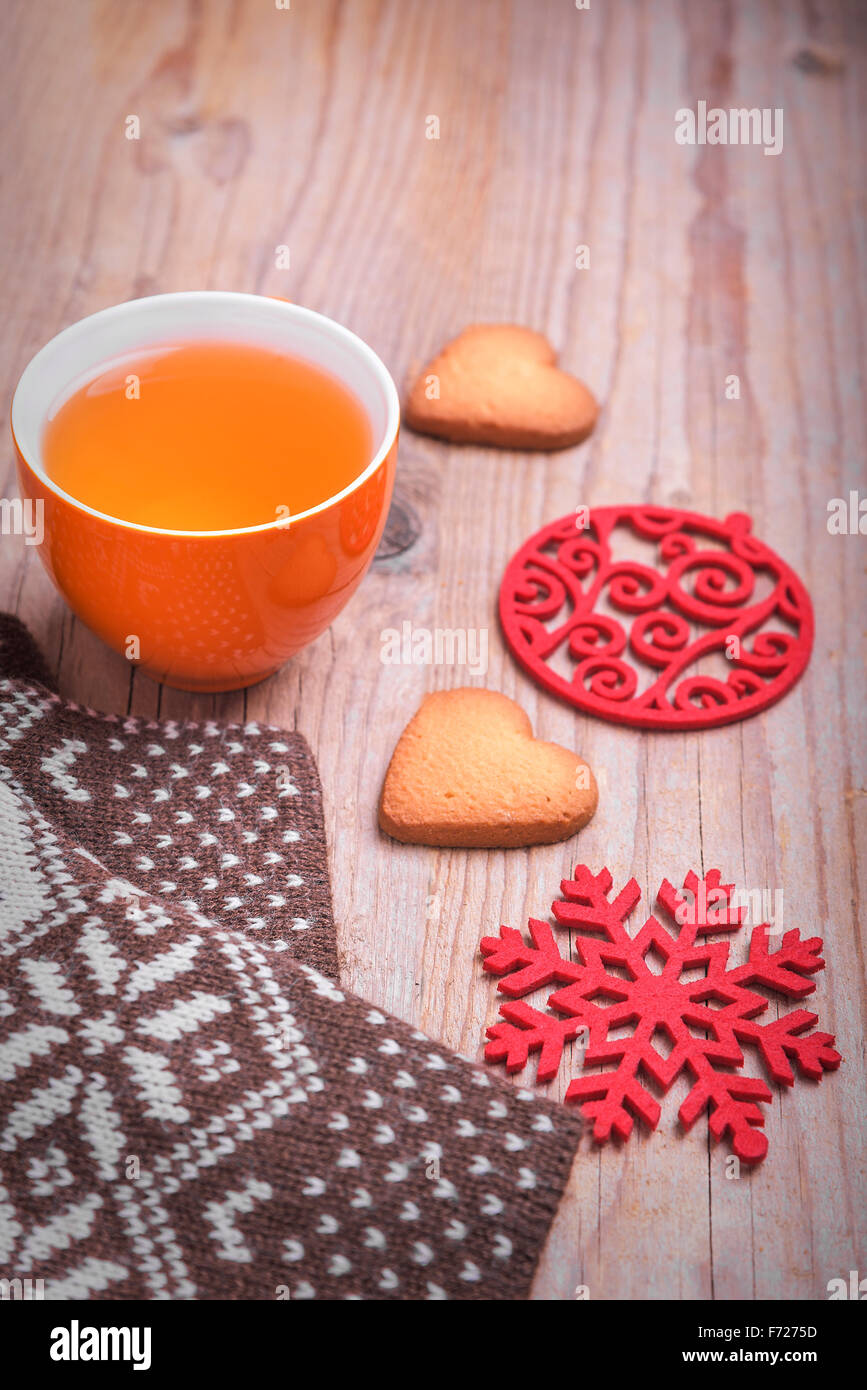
307, 127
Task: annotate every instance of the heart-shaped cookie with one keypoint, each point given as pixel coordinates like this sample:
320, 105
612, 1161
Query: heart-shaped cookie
498, 383
467, 771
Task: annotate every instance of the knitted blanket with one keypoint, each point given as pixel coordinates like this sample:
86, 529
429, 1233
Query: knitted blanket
192, 1106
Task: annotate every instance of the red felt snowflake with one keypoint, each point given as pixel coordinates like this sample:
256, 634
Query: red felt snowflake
705, 1019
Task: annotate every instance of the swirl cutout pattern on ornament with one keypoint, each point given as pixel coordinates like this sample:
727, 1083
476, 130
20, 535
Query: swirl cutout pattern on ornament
628, 641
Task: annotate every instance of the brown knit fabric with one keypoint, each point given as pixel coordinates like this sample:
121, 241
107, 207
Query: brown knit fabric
192, 1107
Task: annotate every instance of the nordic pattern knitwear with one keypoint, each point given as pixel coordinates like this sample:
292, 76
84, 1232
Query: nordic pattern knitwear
192, 1107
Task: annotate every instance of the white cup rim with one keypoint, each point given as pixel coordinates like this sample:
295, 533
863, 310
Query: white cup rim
27, 418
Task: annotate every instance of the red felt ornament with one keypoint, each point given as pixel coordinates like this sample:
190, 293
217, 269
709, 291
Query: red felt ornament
633, 643
607, 983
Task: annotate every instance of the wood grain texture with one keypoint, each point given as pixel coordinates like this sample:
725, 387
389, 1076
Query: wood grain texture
306, 127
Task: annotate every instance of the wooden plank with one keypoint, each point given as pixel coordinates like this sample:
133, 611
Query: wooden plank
307, 128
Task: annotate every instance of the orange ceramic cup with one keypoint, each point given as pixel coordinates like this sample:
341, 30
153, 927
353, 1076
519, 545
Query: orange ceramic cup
212, 610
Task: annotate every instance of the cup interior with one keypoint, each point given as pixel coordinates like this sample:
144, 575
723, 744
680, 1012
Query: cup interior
76, 354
